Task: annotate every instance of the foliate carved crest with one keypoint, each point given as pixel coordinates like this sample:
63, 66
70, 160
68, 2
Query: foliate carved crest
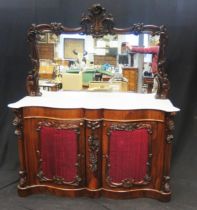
98, 22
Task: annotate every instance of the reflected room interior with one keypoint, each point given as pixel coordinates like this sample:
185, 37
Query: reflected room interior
121, 62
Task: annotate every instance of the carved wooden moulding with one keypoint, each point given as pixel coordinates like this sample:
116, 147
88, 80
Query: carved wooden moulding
94, 145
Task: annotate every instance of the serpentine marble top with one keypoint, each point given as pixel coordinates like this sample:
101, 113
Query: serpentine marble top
96, 100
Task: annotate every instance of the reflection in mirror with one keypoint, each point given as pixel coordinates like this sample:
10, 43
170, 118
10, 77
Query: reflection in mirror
118, 62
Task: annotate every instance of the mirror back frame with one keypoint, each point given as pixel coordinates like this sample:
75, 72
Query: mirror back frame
97, 23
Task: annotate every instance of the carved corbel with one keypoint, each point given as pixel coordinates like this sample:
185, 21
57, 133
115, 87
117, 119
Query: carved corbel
170, 127
17, 122
23, 178
166, 184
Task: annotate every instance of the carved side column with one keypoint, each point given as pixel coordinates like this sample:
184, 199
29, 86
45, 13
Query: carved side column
18, 123
93, 154
169, 128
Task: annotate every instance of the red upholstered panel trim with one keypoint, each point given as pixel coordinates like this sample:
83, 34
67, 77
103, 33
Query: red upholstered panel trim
128, 155
58, 153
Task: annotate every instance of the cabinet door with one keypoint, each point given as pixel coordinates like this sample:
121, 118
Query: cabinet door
127, 155
60, 153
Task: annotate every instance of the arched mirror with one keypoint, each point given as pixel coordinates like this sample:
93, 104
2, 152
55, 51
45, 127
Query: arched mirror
97, 56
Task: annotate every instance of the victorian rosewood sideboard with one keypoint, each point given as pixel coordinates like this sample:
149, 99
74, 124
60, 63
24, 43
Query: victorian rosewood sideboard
95, 144
83, 143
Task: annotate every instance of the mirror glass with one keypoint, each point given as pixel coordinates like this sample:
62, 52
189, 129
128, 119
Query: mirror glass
118, 62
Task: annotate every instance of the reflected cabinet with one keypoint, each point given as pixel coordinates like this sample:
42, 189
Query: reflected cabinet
97, 120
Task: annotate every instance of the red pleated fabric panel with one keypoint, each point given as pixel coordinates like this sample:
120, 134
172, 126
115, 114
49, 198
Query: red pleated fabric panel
59, 153
128, 155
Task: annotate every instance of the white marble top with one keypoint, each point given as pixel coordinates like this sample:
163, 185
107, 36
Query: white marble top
96, 100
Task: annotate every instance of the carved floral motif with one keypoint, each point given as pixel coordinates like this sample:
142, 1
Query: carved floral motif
130, 127
94, 145
98, 22
74, 125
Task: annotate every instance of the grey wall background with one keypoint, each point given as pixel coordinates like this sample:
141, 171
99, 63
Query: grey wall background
180, 18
